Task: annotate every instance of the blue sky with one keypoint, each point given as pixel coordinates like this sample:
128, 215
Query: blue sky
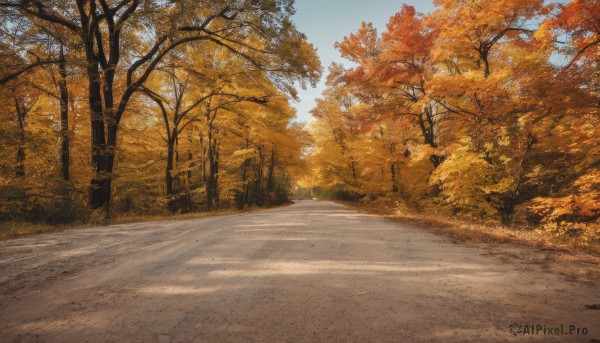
326, 21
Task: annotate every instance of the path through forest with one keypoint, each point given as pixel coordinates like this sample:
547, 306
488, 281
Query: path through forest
313, 271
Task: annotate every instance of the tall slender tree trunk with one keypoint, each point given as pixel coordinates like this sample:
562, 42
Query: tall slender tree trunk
216, 174
100, 160
109, 162
104, 117
171, 158
97, 192
65, 155
169, 168
20, 163
242, 196
259, 177
211, 169
204, 164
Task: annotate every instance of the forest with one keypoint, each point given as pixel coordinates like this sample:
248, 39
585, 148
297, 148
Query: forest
135, 106
483, 109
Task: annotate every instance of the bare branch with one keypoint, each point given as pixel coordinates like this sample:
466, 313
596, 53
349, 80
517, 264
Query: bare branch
40, 11
14, 75
581, 52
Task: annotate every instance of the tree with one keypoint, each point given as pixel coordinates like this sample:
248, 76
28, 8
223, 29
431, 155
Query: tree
579, 19
475, 88
119, 62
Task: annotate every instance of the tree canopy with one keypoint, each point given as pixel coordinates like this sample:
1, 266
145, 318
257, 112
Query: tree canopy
169, 104
485, 109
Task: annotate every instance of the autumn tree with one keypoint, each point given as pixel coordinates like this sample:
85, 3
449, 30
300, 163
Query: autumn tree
119, 62
475, 87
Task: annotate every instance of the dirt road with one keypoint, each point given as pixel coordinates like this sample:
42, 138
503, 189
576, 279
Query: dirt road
310, 272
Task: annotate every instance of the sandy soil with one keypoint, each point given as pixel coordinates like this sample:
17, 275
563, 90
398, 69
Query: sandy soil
311, 272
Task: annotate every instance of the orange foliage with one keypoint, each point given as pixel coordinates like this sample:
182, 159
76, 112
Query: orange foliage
465, 110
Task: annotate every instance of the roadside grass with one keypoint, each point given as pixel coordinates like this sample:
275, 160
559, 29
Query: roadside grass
16, 229
474, 231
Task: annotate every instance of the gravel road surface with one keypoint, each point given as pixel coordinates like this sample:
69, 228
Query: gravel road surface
311, 272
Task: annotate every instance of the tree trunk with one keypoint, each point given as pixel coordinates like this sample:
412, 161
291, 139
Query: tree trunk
104, 121
243, 195
109, 162
259, 177
203, 156
20, 163
171, 203
427, 124
211, 170
65, 155
486, 63
216, 174
169, 167
98, 187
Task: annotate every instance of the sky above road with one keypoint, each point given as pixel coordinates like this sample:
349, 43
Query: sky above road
326, 21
